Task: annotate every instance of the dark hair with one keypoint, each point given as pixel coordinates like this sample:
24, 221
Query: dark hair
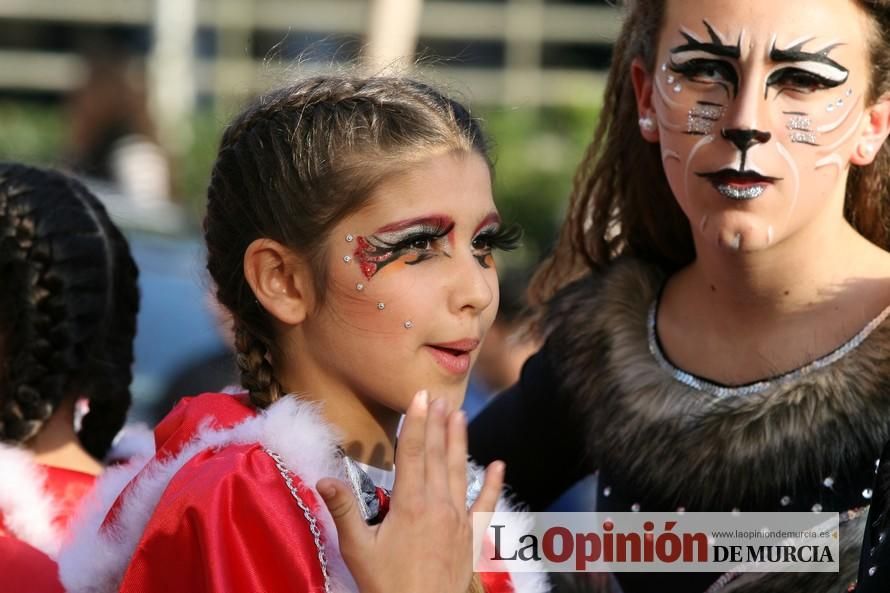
621, 202
294, 163
67, 307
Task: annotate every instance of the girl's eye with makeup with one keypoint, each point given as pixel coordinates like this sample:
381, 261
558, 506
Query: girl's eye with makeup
503, 238
799, 80
706, 71
421, 243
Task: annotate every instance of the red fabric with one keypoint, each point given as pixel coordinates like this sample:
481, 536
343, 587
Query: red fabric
227, 522
25, 569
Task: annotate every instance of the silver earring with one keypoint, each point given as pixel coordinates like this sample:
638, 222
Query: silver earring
868, 149
381, 306
647, 124
408, 324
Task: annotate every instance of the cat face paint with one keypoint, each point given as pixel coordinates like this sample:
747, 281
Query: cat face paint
757, 113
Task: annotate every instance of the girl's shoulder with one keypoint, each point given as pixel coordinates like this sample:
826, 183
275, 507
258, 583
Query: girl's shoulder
222, 472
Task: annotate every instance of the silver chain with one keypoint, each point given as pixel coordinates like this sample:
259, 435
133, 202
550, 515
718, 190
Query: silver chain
310, 518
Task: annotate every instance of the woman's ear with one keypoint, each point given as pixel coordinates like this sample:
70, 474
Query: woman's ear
874, 133
643, 87
280, 280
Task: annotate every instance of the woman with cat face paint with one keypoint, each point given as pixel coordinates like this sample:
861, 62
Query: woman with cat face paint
715, 311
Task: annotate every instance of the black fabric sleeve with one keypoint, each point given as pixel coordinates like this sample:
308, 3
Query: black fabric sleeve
530, 426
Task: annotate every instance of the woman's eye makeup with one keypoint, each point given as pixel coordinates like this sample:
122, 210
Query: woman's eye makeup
708, 71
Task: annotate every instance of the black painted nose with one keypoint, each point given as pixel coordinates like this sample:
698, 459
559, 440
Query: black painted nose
744, 139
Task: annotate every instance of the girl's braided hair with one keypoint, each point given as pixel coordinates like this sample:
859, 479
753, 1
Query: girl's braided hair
68, 307
294, 163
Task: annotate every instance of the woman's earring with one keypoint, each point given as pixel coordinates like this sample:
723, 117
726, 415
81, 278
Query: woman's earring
868, 150
646, 124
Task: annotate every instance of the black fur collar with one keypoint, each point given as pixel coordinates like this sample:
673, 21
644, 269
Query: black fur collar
676, 446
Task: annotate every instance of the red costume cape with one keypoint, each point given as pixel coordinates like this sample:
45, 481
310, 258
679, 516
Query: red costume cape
212, 512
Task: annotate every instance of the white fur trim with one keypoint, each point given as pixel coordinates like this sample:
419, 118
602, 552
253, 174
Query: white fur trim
94, 560
28, 509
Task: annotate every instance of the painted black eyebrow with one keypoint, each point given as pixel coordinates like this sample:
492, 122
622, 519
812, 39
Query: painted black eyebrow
716, 46
796, 54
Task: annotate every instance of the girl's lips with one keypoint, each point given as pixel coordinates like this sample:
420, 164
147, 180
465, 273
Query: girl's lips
453, 357
456, 362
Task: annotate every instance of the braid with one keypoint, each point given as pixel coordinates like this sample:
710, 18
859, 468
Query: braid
68, 310
253, 357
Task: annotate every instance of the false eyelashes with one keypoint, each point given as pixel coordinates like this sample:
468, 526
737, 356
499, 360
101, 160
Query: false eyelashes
501, 237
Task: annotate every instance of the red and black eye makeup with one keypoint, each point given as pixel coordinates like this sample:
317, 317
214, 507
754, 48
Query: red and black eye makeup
415, 238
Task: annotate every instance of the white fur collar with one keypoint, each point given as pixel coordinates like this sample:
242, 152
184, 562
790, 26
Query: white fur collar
27, 508
94, 560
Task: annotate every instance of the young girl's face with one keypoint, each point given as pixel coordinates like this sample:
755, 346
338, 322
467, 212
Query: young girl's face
412, 286
760, 106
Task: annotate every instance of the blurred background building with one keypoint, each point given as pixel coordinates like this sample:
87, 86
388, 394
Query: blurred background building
133, 96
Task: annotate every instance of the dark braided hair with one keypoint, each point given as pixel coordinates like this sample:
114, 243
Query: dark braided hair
68, 307
298, 160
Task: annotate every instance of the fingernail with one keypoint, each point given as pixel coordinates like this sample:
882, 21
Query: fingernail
460, 416
499, 466
423, 399
439, 407
327, 492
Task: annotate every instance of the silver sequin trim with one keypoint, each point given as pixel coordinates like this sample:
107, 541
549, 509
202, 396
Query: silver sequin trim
721, 391
310, 518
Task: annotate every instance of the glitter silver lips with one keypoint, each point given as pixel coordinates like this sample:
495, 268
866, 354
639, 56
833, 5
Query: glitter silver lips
739, 185
734, 192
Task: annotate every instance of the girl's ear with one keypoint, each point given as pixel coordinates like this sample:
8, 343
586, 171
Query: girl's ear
643, 87
874, 133
280, 280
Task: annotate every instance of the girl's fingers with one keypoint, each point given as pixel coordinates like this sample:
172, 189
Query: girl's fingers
436, 464
491, 488
457, 458
410, 449
351, 529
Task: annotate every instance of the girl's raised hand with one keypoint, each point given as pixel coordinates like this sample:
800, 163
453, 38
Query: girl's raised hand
425, 543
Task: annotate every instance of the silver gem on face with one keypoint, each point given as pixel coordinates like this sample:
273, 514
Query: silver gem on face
347, 258
733, 192
349, 238
381, 306
408, 325
678, 88
359, 287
